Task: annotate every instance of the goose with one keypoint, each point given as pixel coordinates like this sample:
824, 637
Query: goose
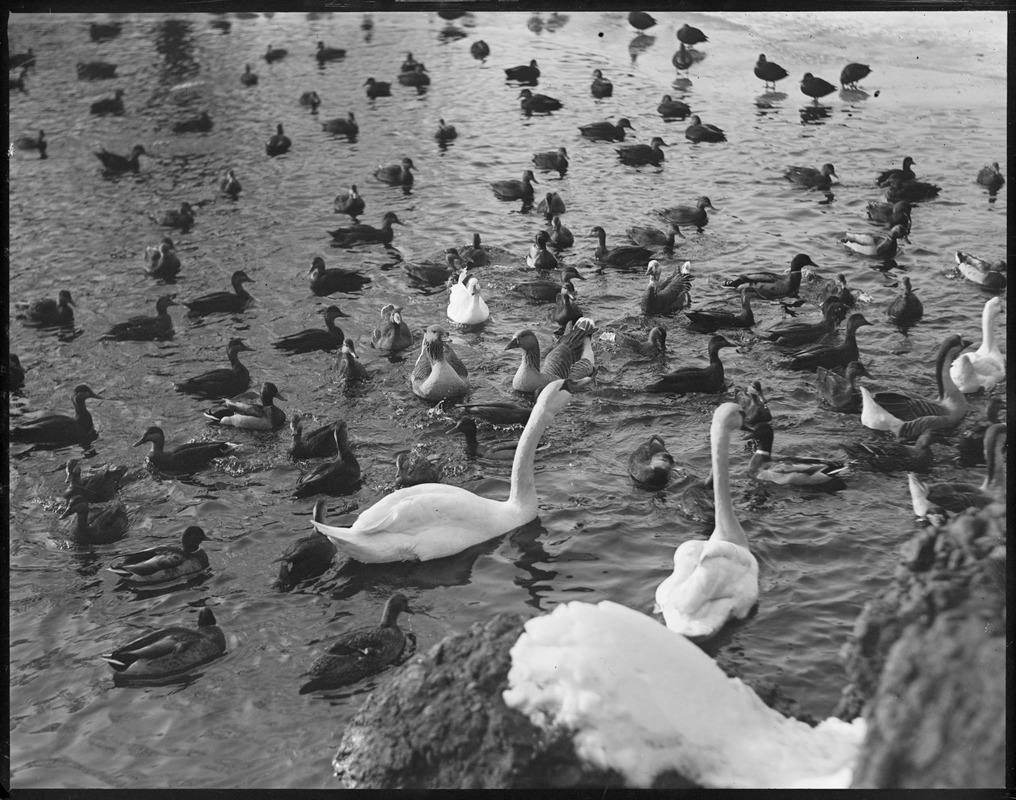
465, 305
791, 470
342, 127
360, 652
841, 393
475, 255
479, 49
279, 143
753, 403
445, 132
551, 205
323, 53
912, 191
418, 77
985, 367
538, 103
772, 286
815, 87
704, 380
248, 78
340, 476
100, 486
275, 53
638, 155
349, 369
908, 415
852, 73
906, 308
606, 673
691, 216
182, 218
223, 382
991, 275
880, 245
391, 334
669, 108
165, 562
892, 456
563, 360
113, 164
495, 451
810, 177
655, 343
991, 177
48, 312
367, 234
798, 334
101, 526
690, 36
229, 185
145, 329
325, 281
892, 214
432, 273
59, 429
625, 256
606, 131
545, 290
378, 88
350, 202
260, 416
906, 173
970, 447
553, 161
650, 464
186, 459
666, 296
516, 190
226, 302
199, 124
438, 374
307, 341
307, 557
434, 520
715, 580
560, 236
319, 443
769, 71
640, 20
830, 355
699, 131
168, 652
526, 73
955, 497
654, 237
712, 319
109, 105
539, 256
565, 308
601, 87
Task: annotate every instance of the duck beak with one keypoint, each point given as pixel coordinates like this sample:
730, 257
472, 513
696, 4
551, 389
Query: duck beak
142, 440
67, 512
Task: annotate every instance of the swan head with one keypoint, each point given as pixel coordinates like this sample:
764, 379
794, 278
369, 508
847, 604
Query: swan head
553, 398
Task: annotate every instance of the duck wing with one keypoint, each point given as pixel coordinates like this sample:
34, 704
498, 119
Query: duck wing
150, 562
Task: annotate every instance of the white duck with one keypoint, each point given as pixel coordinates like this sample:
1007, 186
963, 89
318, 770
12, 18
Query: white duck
438, 374
909, 415
640, 699
465, 305
434, 520
717, 579
985, 367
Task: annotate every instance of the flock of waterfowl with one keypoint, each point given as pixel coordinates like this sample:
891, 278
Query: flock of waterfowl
714, 580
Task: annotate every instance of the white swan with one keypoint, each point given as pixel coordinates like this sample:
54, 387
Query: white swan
433, 520
716, 579
640, 699
986, 365
465, 305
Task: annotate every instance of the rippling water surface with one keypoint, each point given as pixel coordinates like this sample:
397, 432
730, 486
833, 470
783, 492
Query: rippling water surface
937, 92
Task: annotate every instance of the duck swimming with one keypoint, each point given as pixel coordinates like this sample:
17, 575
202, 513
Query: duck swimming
672, 109
810, 177
712, 319
323, 53
699, 131
224, 302
772, 286
703, 380
262, 416
985, 367
546, 290
841, 393
307, 557
439, 374
495, 451
185, 459
361, 652
654, 237
475, 255
990, 176
601, 87
109, 105
465, 305
753, 403
607, 131
892, 456
434, 520
275, 53
498, 413
516, 190
445, 132
199, 124
670, 295
908, 415
182, 218
791, 470
396, 174
527, 73
349, 369
956, 497
912, 191
169, 651
337, 477
830, 355
539, 257
563, 360
655, 343
970, 444
682, 58
553, 160
565, 308
625, 256
799, 334
342, 127
165, 562
248, 78
307, 341
691, 216
39, 143
391, 334
325, 281
100, 486
145, 329
113, 163
560, 236
905, 174
651, 463
906, 308
366, 234
162, 262
319, 443
638, 155
101, 526
279, 143
229, 185
432, 273
879, 245
769, 71
418, 78
990, 275
59, 429
551, 205
640, 20
892, 214
378, 88
538, 103
47, 312
479, 49
218, 383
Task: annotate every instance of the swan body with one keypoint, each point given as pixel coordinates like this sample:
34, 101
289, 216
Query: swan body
465, 305
985, 367
434, 520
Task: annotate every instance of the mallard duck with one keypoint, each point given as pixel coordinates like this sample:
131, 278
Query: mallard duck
307, 341
101, 526
852, 73
161, 261
666, 296
361, 652
432, 273
349, 369
342, 127
970, 445
340, 476
527, 73
323, 53
906, 173
769, 71
672, 109
985, 367
261, 416
39, 143
654, 238
563, 360
715, 580
438, 374
565, 308
418, 77
396, 174
912, 191
815, 87
955, 497
319, 443
798, 334
637, 155
59, 429
109, 105
682, 58
690, 216
100, 486
275, 53
699, 131
220, 382
378, 88
307, 557
169, 651
185, 459
753, 403
625, 256
350, 202
279, 143
445, 132
224, 302
435, 520
892, 214
248, 78
640, 20
712, 319
821, 289
145, 329
908, 415
539, 257
772, 286
990, 275
182, 218
551, 205
496, 451
546, 290
391, 334
410, 64
47, 312
810, 177
601, 87
412, 469
791, 470
325, 281
830, 355
991, 177
655, 343
165, 562
229, 185
516, 190
703, 380
553, 160
892, 456
560, 236
367, 234
465, 305
651, 463
607, 131
199, 124
538, 103
880, 245
479, 49
498, 413
906, 308
113, 163
841, 393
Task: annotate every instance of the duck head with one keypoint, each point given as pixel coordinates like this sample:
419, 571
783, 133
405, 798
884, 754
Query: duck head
154, 434
269, 391
192, 539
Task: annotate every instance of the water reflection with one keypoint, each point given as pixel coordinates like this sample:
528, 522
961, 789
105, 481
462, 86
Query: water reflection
528, 540
815, 114
682, 83
100, 32
639, 45
450, 34
853, 95
173, 40
221, 25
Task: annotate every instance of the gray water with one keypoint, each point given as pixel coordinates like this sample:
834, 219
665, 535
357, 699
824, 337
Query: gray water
937, 92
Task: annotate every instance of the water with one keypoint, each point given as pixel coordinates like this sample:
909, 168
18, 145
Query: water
941, 98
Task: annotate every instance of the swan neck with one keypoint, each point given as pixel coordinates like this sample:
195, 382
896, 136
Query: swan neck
523, 485
727, 527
